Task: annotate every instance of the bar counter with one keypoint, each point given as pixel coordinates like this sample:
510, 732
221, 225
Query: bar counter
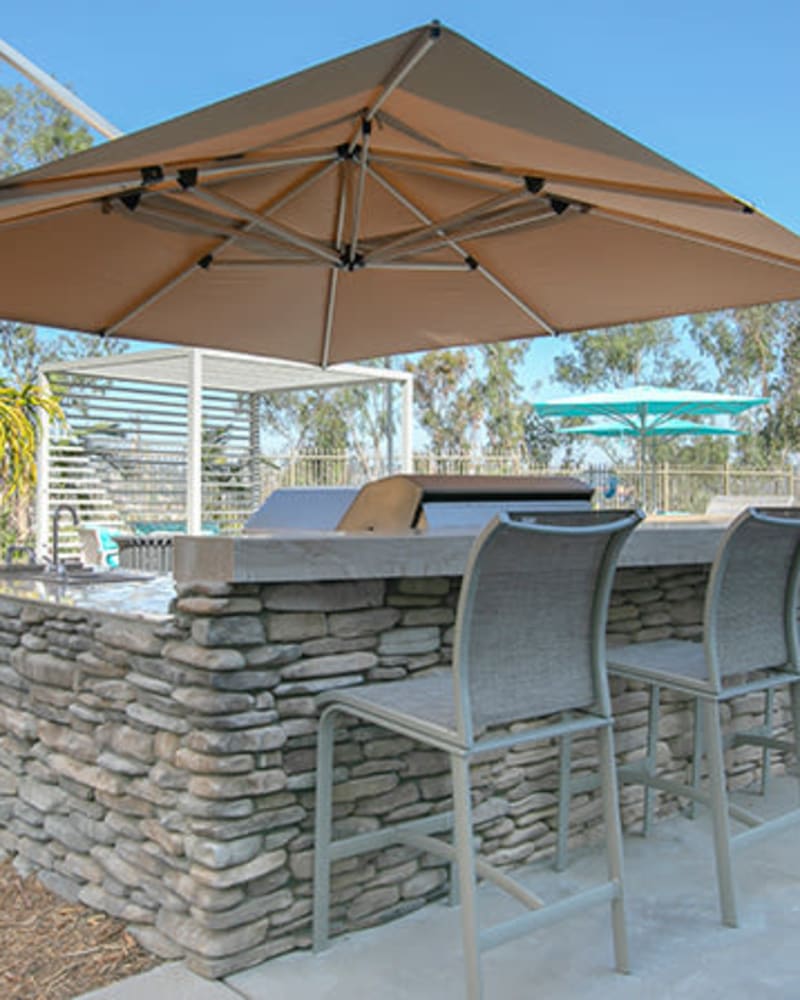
157, 741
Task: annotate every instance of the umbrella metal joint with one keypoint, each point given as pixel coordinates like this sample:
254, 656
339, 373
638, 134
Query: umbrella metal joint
152, 175
348, 261
187, 177
345, 151
534, 185
559, 205
130, 200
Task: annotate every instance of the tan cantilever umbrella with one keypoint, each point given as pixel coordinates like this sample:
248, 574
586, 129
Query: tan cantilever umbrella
414, 194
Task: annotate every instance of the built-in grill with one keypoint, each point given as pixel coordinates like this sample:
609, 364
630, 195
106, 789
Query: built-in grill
456, 503
403, 503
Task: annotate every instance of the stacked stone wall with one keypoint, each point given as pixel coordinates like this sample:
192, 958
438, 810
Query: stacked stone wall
164, 771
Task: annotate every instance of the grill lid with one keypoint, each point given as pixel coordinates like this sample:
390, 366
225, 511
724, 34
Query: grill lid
440, 503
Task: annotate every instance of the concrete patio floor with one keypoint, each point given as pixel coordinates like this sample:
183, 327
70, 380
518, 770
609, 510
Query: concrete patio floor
679, 949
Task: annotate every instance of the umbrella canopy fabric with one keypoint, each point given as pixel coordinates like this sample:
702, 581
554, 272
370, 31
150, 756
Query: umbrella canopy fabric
415, 194
640, 406
666, 428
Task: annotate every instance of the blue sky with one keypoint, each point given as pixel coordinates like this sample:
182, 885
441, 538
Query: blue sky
713, 85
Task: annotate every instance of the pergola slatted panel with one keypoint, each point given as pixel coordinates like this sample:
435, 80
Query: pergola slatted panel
135, 418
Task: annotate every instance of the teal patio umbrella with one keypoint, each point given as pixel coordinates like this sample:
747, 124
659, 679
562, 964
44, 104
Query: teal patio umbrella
647, 411
667, 428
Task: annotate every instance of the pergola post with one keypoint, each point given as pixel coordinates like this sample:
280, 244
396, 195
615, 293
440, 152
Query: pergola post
407, 427
42, 500
254, 447
194, 443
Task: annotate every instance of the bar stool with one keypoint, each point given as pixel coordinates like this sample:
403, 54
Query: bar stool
530, 643
750, 645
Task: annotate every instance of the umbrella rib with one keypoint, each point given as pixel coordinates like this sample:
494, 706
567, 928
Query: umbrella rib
418, 51
502, 200
498, 182
260, 221
504, 226
691, 236
620, 418
87, 187
392, 121
16, 195
416, 265
719, 200
441, 164
330, 309
333, 281
500, 226
304, 133
186, 224
469, 260
358, 201
273, 204
247, 166
269, 262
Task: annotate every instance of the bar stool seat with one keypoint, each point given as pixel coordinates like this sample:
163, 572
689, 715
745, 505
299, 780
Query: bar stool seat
423, 703
684, 661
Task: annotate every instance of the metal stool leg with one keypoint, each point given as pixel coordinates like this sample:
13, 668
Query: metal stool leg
465, 852
608, 784
766, 753
653, 717
697, 755
794, 695
719, 813
564, 795
322, 821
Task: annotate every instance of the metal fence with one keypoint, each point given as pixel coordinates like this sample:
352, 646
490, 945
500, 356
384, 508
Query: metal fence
133, 486
689, 490
669, 488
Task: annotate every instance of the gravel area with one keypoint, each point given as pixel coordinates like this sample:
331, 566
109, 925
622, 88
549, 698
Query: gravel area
53, 950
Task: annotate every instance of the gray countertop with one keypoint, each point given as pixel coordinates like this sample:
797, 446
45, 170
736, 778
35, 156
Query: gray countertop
145, 599
307, 556
311, 556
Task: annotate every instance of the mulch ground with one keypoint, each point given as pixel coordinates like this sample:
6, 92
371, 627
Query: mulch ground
53, 950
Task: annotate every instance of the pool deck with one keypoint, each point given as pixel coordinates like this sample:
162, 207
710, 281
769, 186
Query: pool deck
679, 949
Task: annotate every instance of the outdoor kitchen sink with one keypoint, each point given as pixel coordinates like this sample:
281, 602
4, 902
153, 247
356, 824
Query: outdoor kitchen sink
70, 575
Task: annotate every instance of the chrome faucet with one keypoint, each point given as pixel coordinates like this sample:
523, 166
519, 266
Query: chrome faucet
57, 565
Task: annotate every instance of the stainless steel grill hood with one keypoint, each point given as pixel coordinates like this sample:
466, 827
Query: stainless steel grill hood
436, 504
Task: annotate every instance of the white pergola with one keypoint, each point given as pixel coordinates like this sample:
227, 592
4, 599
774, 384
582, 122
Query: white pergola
195, 369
